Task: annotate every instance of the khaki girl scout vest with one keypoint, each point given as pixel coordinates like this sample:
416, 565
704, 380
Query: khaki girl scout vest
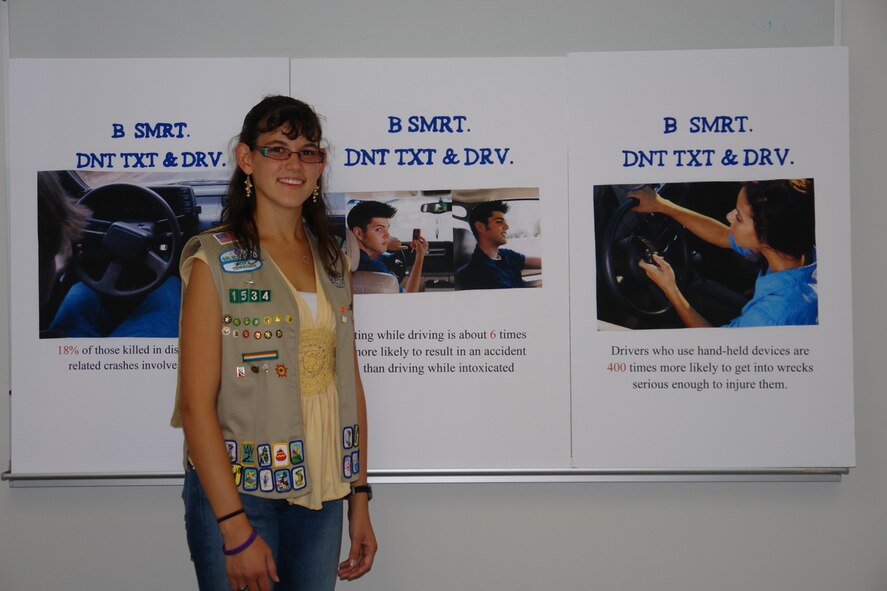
259, 403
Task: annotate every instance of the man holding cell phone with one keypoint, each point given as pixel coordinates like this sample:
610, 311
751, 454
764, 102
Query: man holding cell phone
370, 222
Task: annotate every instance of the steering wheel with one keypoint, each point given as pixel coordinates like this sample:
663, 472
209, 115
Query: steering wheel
130, 242
631, 237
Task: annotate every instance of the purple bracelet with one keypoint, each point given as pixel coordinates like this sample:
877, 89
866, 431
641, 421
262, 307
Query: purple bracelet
242, 547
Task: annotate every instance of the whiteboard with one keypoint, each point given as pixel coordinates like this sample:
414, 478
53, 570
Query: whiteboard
523, 120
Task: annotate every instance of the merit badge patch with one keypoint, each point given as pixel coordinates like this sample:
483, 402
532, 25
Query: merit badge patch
297, 452
355, 464
250, 479
347, 437
248, 454
283, 481
281, 456
231, 447
237, 470
346, 466
240, 371
264, 451
266, 481
281, 370
299, 478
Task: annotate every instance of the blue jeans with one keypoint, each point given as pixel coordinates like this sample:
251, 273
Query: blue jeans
305, 543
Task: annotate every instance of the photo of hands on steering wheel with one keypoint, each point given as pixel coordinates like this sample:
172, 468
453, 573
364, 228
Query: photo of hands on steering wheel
109, 246
732, 254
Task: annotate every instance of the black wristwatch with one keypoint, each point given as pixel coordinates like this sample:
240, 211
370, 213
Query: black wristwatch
363, 488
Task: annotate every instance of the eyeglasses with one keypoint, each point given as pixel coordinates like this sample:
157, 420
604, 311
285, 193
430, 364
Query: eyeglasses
306, 155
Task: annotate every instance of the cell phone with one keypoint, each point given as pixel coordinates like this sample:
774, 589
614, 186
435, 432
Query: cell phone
645, 249
417, 233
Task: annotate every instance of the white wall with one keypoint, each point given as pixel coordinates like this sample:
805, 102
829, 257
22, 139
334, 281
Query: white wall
602, 536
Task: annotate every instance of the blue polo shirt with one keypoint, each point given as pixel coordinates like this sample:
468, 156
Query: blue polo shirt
367, 263
482, 272
782, 298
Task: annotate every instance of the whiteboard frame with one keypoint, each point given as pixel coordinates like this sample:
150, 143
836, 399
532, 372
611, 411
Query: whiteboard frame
467, 476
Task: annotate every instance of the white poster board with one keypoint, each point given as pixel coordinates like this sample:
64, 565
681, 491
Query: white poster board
701, 123
93, 391
455, 378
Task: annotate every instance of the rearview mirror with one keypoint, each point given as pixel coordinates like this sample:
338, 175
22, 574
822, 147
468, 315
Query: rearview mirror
437, 207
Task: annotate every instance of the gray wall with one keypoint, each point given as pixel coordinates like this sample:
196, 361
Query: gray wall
603, 536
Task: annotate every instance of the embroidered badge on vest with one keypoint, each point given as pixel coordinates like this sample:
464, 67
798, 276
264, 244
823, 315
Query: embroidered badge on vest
337, 280
280, 457
264, 455
231, 447
259, 355
266, 481
248, 454
250, 479
299, 480
238, 260
355, 464
283, 480
297, 452
224, 237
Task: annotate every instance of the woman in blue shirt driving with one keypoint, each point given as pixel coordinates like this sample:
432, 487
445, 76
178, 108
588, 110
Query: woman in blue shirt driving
773, 221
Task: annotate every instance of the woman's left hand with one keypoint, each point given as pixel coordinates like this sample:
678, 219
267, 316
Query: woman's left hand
363, 540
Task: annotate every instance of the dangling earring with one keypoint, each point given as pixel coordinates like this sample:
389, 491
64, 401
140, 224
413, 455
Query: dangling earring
315, 194
248, 186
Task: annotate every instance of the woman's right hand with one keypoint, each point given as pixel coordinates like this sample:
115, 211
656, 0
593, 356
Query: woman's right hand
662, 274
252, 568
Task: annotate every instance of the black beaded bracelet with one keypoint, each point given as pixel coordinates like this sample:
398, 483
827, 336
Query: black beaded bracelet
229, 515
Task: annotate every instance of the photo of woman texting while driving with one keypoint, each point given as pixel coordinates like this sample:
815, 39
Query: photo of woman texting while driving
269, 395
773, 222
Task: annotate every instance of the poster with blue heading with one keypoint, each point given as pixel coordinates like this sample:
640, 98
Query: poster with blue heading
447, 180
710, 268
114, 164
